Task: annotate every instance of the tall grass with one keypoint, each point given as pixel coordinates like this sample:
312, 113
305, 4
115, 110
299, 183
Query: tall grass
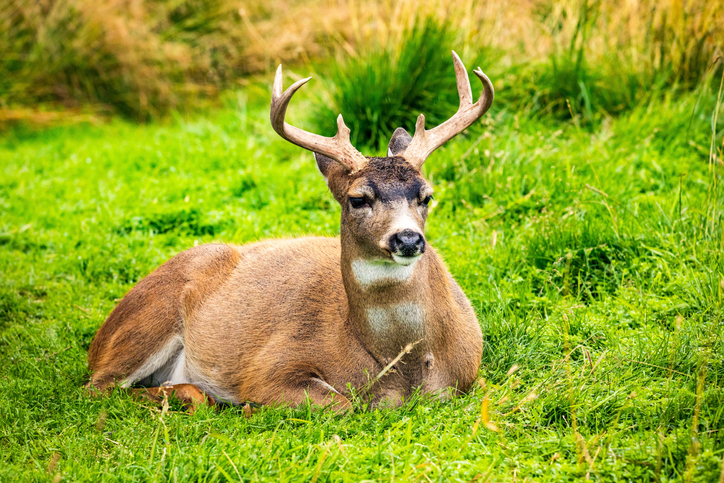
387, 85
137, 58
144, 58
585, 60
607, 56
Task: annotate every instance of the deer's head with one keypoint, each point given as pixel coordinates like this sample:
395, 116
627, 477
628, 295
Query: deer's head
384, 200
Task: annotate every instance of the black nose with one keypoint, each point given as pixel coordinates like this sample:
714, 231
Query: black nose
407, 243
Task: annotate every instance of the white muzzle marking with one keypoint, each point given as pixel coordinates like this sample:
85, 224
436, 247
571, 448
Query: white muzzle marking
406, 260
404, 220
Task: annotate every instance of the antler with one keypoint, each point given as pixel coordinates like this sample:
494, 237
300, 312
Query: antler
425, 142
338, 147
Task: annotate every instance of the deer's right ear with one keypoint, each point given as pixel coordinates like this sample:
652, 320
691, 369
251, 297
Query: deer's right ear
324, 164
399, 142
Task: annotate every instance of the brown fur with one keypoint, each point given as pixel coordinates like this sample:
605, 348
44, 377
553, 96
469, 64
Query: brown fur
280, 321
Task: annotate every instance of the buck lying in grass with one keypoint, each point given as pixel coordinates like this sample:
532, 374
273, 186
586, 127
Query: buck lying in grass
280, 321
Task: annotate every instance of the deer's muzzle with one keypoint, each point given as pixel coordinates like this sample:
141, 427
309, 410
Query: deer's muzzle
407, 243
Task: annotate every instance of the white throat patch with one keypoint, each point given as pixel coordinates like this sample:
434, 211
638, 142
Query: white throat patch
369, 273
408, 316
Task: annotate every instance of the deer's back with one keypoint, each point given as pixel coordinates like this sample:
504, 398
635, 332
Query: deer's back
274, 283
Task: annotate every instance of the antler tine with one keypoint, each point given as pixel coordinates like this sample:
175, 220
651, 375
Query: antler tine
338, 147
424, 142
464, 90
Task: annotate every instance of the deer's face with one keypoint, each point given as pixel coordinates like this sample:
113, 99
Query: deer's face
384, 208
384, 200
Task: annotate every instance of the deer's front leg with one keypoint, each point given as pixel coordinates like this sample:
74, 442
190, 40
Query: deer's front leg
189, 394
314, 390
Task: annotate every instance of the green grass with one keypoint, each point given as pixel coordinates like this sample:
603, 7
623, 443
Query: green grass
593, 260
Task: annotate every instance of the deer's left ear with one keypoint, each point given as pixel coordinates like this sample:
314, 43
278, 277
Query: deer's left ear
324, 164
399, 142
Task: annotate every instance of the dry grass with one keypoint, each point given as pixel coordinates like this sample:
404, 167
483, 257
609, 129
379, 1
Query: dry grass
140, 58
647, 37
143, 59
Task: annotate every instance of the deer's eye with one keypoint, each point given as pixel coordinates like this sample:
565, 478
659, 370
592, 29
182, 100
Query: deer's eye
427, 200
359, 202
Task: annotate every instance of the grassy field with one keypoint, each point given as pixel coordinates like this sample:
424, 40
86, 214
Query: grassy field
593, 256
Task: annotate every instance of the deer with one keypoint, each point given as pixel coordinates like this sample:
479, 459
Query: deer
310, 320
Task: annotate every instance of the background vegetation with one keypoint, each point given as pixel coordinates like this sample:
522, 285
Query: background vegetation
582, 216
144, 59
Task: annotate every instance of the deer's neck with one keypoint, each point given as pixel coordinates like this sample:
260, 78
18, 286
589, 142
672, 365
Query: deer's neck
388, 302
